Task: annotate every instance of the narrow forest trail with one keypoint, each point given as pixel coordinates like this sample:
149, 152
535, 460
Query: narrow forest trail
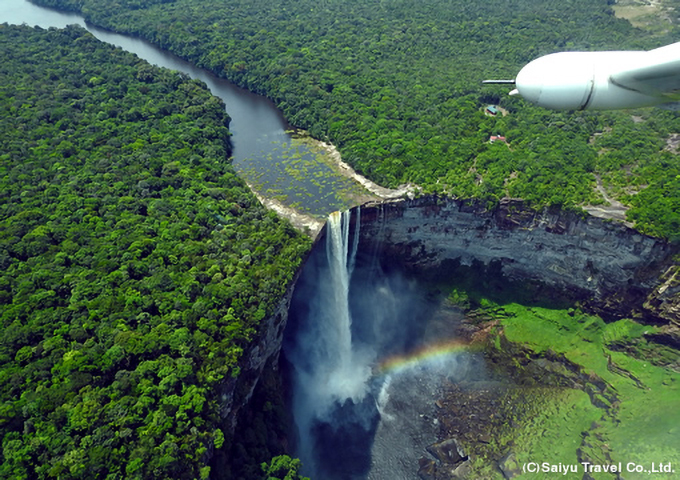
614, 211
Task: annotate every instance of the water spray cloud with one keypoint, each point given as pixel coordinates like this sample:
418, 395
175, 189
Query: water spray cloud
352, 318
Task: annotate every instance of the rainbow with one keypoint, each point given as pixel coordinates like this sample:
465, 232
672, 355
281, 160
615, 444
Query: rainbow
420, 356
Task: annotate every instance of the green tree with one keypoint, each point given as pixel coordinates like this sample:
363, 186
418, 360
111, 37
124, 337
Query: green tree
282, 467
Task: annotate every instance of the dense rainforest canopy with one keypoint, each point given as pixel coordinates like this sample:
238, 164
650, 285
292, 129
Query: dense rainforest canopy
395, 84
134, 264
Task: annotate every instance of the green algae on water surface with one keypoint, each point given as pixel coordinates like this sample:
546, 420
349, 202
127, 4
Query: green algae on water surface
300, 173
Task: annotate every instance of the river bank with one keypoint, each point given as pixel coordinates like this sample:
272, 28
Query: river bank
520, 421
365, 190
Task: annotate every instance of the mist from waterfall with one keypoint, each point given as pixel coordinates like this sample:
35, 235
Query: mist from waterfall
352, 312
342, 372
329, 370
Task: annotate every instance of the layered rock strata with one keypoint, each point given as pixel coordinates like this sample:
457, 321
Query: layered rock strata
614, 269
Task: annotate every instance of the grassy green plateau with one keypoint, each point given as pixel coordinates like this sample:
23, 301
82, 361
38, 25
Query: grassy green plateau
627, 412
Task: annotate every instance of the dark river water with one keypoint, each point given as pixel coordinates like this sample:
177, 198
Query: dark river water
370, 427
265, 154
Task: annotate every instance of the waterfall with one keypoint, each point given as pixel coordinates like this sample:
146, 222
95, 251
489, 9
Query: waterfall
333, 370
362, 379
345, 373
330, 371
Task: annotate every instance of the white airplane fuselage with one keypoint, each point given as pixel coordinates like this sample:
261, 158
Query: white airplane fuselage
601, 80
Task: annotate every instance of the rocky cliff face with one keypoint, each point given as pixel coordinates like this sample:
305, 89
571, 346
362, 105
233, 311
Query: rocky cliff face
235, 394
263, 351
612, 268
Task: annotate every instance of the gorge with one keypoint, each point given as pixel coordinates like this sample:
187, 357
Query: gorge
607, 268
401, 254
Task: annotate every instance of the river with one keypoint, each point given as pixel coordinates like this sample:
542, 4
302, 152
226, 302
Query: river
275, 163
391, 423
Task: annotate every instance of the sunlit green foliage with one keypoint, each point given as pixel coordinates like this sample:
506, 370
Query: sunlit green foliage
627, 414
282, 468
636, 427
134, 265
395, 84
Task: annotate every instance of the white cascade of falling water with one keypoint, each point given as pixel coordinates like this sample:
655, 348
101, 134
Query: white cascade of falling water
329, 369
345, 375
